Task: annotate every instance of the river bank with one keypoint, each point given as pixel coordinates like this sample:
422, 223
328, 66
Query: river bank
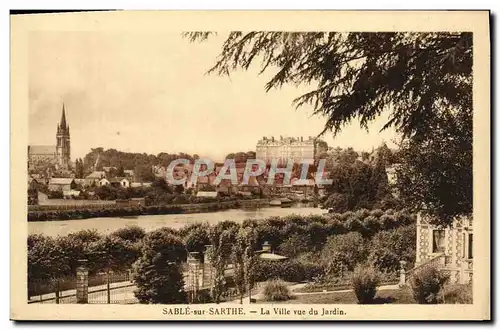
104, 211
174, 221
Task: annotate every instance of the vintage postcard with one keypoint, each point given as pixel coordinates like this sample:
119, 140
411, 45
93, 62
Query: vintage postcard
260, 165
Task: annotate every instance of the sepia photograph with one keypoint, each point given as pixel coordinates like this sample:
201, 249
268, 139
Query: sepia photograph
210, 169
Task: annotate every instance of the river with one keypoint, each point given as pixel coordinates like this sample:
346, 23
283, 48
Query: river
152, 222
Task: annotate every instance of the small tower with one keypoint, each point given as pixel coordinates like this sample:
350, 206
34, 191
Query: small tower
63, 150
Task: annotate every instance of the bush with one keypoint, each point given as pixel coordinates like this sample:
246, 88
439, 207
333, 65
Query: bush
276, 290
427, 284
343, 252
364, 282
158, 274
131, 233
389, 247
458, 294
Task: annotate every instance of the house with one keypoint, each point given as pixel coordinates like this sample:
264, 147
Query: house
449, 248
103, 182
71, 193
120, 182
94, 177
61, 184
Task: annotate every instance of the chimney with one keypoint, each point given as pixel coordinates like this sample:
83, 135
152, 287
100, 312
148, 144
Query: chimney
272, 138
281, 137
301, 139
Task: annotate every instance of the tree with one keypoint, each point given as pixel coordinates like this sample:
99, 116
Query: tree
238, 258
112, 253
434, 174
79, 168
45, 259
158, 274
221, 237
420, 79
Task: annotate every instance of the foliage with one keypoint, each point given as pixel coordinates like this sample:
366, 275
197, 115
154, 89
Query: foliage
238, 260
131, 234
276, 290
220, 237
342, 253
389, 247
112, 253
364, 283
287, 270
157, 273
435, 172
196, 238
45, 258
357, 185
359, 74
294, 245
427, 284
458, 294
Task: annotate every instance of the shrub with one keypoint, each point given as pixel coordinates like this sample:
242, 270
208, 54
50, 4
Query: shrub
276, 290
364, 282
427, 284
458, 294
131, 233
389, 247
344, 251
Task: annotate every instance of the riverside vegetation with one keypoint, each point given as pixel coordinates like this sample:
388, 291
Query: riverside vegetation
321, 250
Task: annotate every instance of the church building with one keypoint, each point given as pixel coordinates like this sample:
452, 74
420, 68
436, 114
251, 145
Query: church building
58, 155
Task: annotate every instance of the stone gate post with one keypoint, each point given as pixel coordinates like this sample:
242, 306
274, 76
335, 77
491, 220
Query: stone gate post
82, 283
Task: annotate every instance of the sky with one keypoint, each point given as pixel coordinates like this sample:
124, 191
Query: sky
149, 93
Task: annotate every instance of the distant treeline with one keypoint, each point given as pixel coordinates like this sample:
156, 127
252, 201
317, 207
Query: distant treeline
122, 211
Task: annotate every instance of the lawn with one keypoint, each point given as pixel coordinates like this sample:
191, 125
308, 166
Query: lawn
453, 294
385, 296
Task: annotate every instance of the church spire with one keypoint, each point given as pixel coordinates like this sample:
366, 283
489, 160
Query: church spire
63, 118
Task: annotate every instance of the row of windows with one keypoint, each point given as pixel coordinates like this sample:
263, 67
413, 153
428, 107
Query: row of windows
439, 245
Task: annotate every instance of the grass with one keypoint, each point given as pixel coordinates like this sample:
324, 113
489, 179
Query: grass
454, 294
382, 297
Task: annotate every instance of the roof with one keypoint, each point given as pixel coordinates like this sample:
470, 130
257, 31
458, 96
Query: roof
61, 181
129, 172
41, 150
96, 175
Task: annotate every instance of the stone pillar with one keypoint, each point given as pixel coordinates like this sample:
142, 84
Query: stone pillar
207, 267
402, 273
193, 262
82, 283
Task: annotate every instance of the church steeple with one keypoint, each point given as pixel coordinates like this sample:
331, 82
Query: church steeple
63, 118
63, 149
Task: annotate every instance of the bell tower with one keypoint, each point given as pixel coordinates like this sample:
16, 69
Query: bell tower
63, 150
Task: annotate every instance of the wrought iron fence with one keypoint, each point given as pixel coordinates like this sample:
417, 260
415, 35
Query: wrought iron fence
103, 288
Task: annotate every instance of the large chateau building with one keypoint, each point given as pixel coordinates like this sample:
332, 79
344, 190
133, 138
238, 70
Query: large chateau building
269, 149
58, 155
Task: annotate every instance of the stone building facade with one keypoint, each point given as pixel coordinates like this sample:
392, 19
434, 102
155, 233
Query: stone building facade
269, 149
450, 248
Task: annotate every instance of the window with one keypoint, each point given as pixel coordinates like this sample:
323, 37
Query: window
438, 241
469, 252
